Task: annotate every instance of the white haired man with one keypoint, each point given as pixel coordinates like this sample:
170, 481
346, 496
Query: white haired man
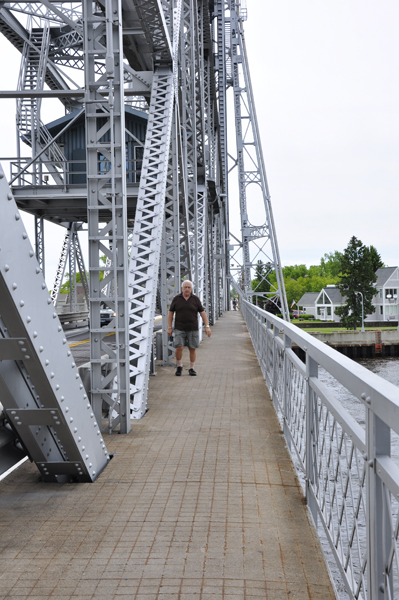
185, 307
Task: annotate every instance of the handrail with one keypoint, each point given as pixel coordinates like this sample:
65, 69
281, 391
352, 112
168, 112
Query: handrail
350, 481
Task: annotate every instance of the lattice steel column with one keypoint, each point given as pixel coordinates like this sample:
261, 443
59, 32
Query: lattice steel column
39, 243
258, 241
170, 253
106, 181
147, 233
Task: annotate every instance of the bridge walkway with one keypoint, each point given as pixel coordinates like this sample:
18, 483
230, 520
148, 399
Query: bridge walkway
199, 502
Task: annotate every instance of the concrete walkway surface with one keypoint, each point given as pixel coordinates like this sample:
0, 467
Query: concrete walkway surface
200, 501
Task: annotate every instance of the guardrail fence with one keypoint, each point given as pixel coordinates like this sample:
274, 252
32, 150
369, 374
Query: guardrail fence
350, 481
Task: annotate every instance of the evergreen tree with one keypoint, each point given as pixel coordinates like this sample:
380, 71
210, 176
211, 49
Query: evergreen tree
375, 258
357, 275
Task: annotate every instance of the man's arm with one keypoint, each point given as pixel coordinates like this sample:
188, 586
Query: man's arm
170, 319
206, 323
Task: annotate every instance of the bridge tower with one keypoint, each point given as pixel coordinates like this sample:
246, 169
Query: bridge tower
156, 204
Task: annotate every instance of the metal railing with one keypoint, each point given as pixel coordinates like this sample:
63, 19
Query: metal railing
350, 481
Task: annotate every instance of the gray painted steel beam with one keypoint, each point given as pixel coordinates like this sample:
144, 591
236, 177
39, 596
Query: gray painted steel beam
41, 391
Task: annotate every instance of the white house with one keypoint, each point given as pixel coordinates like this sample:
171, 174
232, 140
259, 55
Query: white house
323, 304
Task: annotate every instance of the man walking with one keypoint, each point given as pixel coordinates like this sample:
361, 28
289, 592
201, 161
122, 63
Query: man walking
186, 307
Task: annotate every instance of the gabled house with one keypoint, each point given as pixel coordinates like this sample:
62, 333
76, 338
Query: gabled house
322, 304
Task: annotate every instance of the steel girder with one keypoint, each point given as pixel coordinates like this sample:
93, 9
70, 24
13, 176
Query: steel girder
147, 233
40, 388
106, 182
258, 241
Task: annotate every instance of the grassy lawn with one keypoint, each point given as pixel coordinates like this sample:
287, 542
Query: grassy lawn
314, 328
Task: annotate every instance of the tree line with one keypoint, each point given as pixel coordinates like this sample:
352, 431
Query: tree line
352, 271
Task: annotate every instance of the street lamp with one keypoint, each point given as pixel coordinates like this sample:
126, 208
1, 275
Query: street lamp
362, 310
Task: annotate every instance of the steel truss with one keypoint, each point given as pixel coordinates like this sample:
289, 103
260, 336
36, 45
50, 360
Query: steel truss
258, 240
174, 59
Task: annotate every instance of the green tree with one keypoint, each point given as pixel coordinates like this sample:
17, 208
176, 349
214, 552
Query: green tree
375, 258
330, 264
357, 275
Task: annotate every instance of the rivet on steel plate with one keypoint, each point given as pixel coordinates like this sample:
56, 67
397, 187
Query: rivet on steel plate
6, 268
41, 348
24, 235
62, 398
31, 253
371, 463
14, 286
22, 303
47, 362
17, 217
49, 301
71, 420
38, 271
35, 334
28, 319
368, 400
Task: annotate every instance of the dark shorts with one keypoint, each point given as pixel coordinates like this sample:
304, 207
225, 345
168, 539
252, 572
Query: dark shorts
186, 338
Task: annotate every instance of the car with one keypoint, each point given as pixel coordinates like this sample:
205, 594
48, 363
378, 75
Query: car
106, 315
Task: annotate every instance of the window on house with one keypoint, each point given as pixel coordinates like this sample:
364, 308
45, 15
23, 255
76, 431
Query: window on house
380, 293
319, 310
329, 311
391, 309
381, 310
391, 293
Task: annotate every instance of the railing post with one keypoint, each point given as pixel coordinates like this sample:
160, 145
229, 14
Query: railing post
276, 333
311, 436
287, 394
378, 441
268, 374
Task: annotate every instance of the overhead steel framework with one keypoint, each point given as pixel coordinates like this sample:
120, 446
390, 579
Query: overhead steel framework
162, 215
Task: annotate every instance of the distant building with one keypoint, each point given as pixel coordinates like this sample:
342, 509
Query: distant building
386, 299
323, 304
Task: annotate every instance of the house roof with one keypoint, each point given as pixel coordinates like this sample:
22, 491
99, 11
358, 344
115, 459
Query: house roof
56, 126
383, 275
308, 299
334, 294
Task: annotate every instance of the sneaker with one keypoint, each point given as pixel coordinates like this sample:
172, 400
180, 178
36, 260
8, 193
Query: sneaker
192, 372
179, 371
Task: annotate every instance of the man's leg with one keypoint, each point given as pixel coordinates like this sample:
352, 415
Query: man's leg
193, 356
179, 356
